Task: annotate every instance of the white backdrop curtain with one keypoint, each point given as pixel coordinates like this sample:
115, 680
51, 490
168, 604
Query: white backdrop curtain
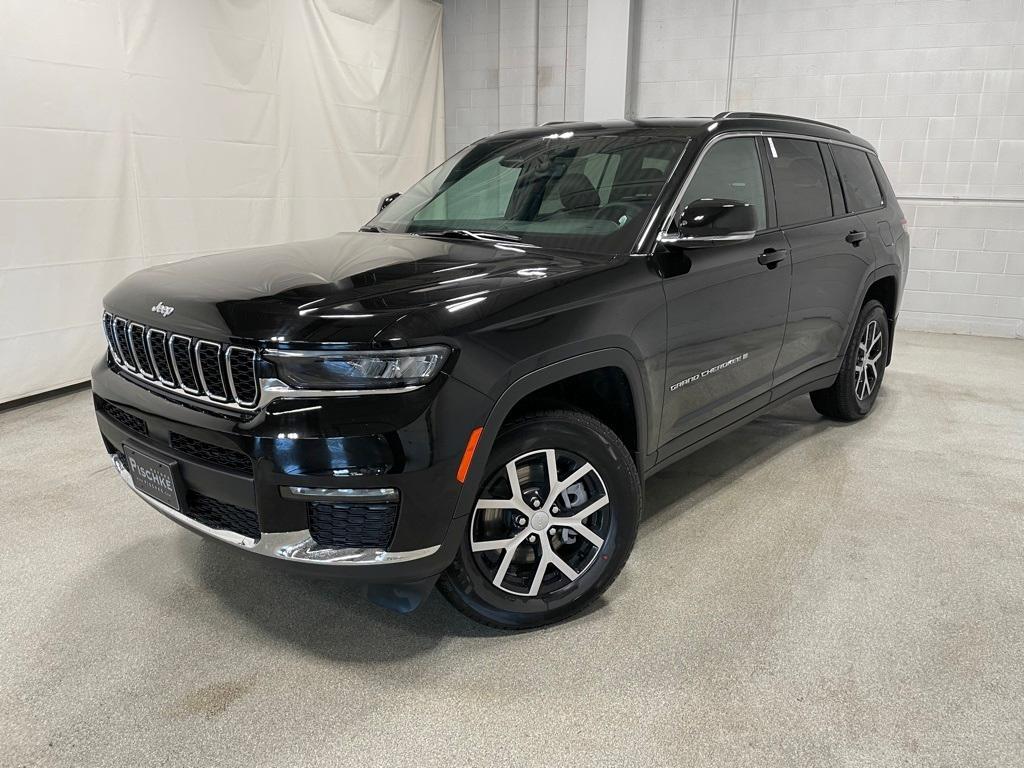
136, 132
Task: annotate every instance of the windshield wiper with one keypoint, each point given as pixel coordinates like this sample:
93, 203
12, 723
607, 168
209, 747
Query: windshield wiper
465, 234
373, 228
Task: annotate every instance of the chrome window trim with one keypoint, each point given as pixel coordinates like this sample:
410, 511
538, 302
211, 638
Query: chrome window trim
156, 369
231, 375
678, 198
174, 362
290, 545
199, 370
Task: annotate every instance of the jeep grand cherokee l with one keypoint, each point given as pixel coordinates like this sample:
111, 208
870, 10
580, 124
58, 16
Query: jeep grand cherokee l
470, 390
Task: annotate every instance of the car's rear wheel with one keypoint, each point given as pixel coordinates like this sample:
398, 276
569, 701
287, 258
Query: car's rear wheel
552, 525
855, 390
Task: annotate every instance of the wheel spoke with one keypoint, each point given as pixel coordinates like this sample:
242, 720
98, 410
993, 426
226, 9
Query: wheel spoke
542, 567
489, 546
563, 566
496, 504
513, 481
551, 464
506, 561
585, 532
586, 512
571, 480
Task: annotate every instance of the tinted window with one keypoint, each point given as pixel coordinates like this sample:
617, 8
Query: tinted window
801, 186
730, 170
859, 183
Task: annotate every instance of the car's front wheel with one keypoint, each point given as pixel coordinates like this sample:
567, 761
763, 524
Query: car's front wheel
552, 526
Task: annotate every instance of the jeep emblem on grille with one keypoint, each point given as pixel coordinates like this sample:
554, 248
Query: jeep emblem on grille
162, 309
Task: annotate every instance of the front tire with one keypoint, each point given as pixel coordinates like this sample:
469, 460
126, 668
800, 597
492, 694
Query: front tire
855, 390
552, 526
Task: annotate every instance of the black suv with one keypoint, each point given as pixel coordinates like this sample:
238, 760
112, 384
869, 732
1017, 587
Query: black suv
470, 390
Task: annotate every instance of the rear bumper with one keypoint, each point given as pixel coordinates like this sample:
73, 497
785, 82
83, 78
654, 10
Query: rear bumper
388, 442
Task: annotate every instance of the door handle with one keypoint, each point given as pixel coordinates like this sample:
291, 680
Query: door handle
855, 237
771, 257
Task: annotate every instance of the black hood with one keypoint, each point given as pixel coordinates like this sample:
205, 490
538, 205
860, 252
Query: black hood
345, 288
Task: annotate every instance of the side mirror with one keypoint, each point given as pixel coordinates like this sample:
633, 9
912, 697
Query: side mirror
711, 221
387, 200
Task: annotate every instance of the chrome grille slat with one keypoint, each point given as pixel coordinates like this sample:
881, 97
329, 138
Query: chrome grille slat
200, 369
137, 340
184, 363
123, 347
241, 368
108, 332
156, 340
210, 374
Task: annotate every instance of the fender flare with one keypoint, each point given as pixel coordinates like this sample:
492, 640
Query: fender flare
612, 357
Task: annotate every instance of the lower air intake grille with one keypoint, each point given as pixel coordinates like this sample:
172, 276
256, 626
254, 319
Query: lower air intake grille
352, 524
212, 454
222, 516
122, 417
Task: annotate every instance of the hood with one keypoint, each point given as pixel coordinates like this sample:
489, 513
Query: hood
345, 288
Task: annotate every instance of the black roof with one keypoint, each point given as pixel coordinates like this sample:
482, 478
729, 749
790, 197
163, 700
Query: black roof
692, 126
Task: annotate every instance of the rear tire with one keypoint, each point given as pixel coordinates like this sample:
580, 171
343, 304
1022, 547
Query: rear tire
855, 390
555, 546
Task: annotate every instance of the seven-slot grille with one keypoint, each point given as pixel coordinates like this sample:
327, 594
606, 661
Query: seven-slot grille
196, 367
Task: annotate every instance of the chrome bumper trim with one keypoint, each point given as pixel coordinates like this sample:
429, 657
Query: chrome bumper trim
292, 545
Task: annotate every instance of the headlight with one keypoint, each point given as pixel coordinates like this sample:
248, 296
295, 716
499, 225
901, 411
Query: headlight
321, 369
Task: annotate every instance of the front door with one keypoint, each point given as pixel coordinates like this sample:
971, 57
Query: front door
726, 309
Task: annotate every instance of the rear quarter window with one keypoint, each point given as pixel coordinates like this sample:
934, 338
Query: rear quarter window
860, 186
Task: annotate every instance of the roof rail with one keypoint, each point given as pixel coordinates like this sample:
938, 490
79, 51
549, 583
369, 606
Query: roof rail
772, 116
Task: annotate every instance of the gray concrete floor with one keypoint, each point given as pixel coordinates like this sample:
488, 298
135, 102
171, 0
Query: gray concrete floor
802, 593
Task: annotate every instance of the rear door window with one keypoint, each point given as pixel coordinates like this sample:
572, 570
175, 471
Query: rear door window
801, 185
859, 183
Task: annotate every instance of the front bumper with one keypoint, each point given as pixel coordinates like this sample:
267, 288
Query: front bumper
389, 441
296, 546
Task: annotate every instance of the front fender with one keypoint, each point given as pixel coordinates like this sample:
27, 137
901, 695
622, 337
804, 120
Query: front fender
612, 357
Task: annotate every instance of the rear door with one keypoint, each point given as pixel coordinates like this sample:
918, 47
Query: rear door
726, 310
830, 250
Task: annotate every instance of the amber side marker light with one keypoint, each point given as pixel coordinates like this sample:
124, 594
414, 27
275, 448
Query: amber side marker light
467, 455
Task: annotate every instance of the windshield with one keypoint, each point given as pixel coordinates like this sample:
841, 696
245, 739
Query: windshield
579, 192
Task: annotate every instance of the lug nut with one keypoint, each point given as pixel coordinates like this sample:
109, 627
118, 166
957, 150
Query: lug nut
536, 503
533, 537
521, 520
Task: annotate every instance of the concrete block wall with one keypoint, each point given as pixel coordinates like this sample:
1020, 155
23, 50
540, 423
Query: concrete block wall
936, 85
510, 64
471, 66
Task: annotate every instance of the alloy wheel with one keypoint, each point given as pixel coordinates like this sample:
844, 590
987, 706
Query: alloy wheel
869, 350
540, 523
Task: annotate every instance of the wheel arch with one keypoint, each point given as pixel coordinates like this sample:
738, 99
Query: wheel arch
535, 384
883, 286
